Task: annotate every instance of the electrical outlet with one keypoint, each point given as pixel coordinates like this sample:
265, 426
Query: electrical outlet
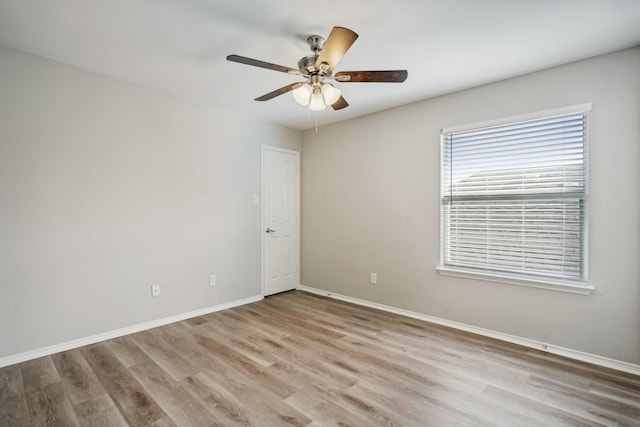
213, 280
374, 278
155, 290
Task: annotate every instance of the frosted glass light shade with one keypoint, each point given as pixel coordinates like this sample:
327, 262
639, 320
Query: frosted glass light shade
302, 94
331, 94
317, 101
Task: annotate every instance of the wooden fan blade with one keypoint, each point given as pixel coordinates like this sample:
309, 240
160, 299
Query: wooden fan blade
254, 62
337, 44
391, 76
340, 104
278, 92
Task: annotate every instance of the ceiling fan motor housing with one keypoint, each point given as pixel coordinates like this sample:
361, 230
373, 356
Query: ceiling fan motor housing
307, 65
316, 43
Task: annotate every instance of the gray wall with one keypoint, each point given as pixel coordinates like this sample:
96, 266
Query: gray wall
370, 203
106, 188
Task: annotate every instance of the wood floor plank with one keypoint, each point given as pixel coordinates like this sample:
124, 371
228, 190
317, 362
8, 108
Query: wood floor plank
13, 405
329, 404
466, 365
99, 411
49, 406
175, 401
582, 403
77, 377
318, 397
134, 403
247, 320
326, 413
39, 373
539, 413
164, 354
298, 359
247, 368
260, 407
164, 422
187, 338
306, 361
272, 317
237, 339
127, 351
435, 387
615, 394
218, 399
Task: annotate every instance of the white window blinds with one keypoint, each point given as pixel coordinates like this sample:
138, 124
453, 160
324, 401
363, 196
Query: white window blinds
514, 198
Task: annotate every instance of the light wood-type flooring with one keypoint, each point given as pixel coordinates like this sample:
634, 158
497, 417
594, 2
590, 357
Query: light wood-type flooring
296, 359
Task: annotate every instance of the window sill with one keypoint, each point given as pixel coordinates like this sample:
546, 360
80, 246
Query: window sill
560, 286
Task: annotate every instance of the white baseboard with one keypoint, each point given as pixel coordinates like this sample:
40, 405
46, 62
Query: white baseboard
81, 342
549, 348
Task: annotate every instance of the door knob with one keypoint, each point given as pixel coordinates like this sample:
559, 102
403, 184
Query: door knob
270, 230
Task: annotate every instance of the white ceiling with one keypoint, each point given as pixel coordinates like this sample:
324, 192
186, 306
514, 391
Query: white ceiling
180, 46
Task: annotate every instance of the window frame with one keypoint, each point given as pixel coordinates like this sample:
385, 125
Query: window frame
535, 281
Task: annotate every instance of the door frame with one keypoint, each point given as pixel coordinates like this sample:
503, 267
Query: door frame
263, 149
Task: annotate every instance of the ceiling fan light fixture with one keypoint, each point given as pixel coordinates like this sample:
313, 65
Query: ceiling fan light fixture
330, 93
302, 94
317, 101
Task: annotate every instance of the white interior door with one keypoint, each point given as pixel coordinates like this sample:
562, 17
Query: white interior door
280, 220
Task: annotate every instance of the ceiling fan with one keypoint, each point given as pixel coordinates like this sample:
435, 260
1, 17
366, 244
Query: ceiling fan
315, 93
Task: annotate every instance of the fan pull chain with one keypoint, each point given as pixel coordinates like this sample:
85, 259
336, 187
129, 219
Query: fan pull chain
309, 118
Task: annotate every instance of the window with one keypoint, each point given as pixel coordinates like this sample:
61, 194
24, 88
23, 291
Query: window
514, 200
